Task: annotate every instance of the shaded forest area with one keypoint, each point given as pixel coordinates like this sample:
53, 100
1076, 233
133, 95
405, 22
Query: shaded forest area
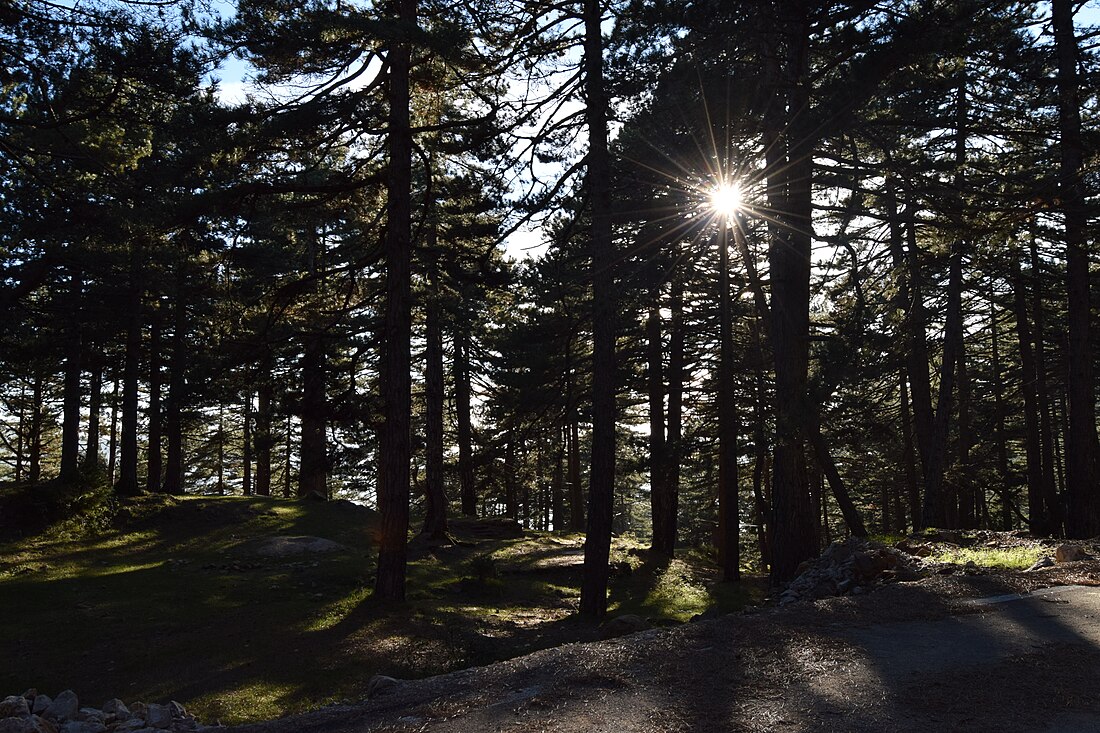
810, 268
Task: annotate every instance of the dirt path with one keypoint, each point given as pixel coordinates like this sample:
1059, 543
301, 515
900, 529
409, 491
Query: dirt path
911, 657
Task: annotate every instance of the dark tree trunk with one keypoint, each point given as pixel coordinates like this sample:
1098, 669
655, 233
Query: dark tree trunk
288, 453
1038, 518
909, 454
794, 524
112, 446
246, 444
674, 442
95, 413
435, 519
557, 484
153, 463
263, 440
601, 489
658, 470
1004, 481
968, 505
395, 440
70, 416
729, 517
467, 488
221, 448
576, 490
177, 392
935, 510
128, 459
760, 452
511, 500
1042, 393
313, 451
1083, 516
34, 460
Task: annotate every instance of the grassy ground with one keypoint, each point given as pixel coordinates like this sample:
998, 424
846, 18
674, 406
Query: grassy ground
167, 600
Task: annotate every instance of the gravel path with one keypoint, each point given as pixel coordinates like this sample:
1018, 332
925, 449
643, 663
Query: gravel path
909, 657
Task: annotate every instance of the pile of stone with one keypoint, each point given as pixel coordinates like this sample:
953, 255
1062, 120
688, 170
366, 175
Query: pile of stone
853, 567
32, 712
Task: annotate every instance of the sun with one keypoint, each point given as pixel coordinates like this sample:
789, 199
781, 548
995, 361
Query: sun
725, 200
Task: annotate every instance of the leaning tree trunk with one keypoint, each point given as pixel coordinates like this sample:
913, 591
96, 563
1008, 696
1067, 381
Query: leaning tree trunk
396, 384
601, 486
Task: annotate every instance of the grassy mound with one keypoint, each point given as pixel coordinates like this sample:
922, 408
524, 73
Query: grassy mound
169, 598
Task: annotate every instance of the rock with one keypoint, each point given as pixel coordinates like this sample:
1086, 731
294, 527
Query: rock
1070, 553
1042, 562
82, 726
41, 702
131, 724
904, 574
64, 707
158, 716
177, 709
115, 709
91, 714
16, 725
623, 625
14, 707
707, 615
916, 549
31, 694
138, 710
380, 683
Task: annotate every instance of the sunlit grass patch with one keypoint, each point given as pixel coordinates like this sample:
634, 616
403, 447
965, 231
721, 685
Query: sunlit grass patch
1009, 558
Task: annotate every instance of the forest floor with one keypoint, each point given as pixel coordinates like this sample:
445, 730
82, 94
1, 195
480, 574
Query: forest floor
170, 598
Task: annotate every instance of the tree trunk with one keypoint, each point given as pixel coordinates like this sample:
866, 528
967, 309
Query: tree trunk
246, 445
463, 416
912, 486
966, 489
435, 520
999, 431
1083, 517
794, 524
576, 491
70, 420
658, 471
313, 450
601, 487
263, 440
935, 509
112, 447
674, 441
153, 455
288, 454
729, 517
95, 412
34, 460
128, 459
177, 391
557, 484
1049, 490
1038, 519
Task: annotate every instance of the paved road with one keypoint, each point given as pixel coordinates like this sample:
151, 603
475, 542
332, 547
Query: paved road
1004, 664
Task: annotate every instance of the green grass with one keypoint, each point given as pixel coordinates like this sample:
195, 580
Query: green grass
1011, 558
162, 598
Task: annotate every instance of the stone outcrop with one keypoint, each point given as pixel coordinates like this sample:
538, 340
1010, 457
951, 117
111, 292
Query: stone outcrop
850, 567
35, 713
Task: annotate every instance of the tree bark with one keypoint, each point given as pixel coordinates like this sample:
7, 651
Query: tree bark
601, 489
95, 413
246, 444
658, 471
463, 416
263, 439
153, 463
128, 449
70, 416
313, 449
177, 391
1038, 519
1083, 517
1048, 488
435, 519
729, 517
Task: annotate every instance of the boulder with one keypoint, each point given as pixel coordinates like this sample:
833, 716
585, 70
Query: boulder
64, 707
115, 709
177, 709
379, 683
14, 707
41, 702
623, 625
82, 726
28, 724
158, 716
1042, 562
1070, 553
